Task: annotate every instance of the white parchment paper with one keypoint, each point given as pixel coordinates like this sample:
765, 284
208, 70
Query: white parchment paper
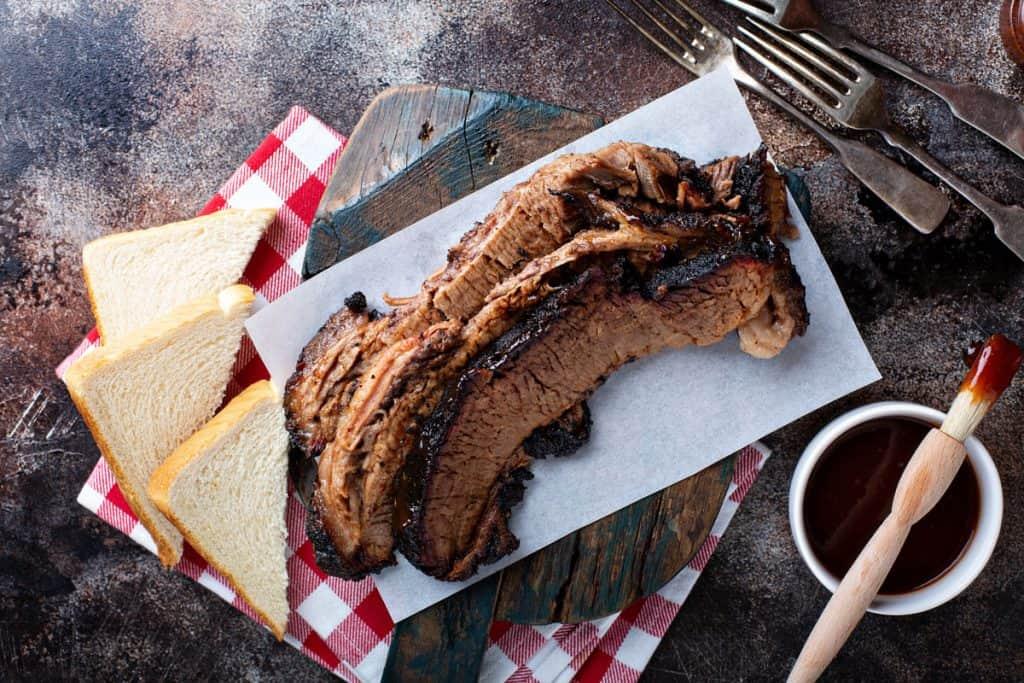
656, 421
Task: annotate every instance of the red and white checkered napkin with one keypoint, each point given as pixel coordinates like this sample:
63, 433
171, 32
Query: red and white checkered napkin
344, 625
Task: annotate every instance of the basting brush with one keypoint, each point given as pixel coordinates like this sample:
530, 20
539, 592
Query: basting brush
928, 474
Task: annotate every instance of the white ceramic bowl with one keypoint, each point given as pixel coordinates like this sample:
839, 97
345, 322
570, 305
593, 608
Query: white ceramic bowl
978, 551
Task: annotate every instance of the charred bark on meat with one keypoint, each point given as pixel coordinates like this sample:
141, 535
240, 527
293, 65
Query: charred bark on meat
369, 389
461, 498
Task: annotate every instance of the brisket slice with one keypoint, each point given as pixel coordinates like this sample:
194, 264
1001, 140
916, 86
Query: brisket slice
360, 530
469, 467
316, 393
354, 502
366, 381
530, 220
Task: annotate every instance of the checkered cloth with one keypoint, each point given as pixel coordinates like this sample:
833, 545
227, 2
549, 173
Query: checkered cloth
344, 625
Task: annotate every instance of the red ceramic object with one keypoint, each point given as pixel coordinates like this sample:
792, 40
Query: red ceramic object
1011, 29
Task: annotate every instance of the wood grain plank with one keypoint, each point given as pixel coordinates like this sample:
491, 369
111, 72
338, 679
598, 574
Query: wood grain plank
419, 148
607, 565
444, 642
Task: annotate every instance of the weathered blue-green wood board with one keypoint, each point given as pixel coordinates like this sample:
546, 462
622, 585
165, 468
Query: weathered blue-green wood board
430, 146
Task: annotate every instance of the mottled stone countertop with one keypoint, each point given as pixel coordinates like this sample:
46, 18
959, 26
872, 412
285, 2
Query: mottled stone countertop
117, 115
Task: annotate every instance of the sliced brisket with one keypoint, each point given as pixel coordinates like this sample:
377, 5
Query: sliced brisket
367, 382
532, 219
470, 465
359, 466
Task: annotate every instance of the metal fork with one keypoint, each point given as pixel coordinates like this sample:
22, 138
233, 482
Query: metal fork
995, 115
702, 48
856, 99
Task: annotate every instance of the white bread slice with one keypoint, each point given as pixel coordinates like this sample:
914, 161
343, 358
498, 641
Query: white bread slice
135, 277
143, 395
226, 489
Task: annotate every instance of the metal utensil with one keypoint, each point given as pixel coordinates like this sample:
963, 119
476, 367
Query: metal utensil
852, 96
701, 48
997, 116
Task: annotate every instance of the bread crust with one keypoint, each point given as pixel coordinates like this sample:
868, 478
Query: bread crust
90, 294
266, 215
168, 554
225, 301
163, 478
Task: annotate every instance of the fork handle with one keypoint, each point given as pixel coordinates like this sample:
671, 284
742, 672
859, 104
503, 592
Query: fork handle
918, 202
997, 116
998, 213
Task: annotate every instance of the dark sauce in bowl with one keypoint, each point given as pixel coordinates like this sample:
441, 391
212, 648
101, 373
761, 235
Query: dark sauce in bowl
850, 492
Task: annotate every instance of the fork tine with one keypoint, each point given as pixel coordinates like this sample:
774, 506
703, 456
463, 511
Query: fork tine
705, 24
687, 59
787, 40
852, 64
676, 38
793, 63
783, 73
752, 9
696, 41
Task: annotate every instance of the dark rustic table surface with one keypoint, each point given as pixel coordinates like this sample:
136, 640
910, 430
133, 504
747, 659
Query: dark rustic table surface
116, 116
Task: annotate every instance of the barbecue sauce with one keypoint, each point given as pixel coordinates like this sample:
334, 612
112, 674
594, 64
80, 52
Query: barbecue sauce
993, 366
851, 490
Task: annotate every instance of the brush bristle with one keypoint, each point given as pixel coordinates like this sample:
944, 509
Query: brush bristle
965, 414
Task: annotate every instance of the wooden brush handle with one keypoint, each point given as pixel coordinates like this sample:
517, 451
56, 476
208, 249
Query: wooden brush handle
851, 599
926, 477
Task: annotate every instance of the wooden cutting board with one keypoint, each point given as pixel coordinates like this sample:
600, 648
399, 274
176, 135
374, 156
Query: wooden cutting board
416, 149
